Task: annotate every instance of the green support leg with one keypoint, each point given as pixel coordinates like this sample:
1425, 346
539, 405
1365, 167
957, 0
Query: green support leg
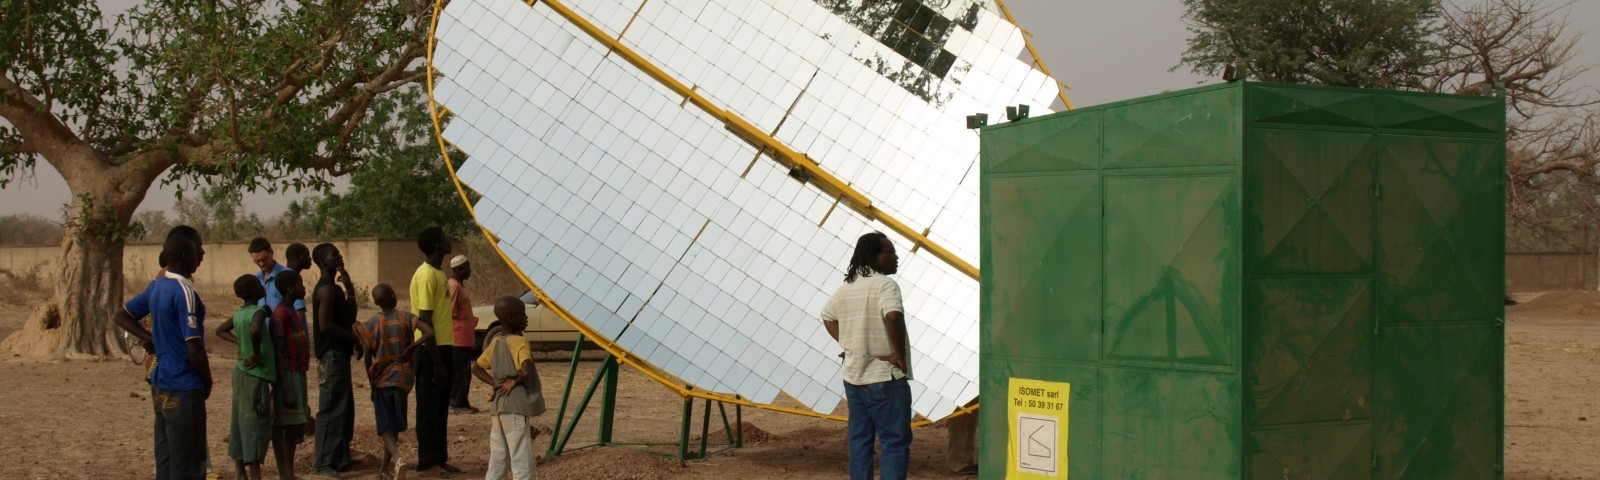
683, 430
608, 373
722, 408
705, 428
608, 399
560, 440
566, 392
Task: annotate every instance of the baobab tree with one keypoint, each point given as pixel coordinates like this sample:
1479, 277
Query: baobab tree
270, 95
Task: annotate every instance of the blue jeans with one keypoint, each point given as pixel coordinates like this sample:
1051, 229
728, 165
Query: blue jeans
881, 410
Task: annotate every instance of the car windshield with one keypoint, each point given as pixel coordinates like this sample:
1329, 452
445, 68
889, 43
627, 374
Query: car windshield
528, 298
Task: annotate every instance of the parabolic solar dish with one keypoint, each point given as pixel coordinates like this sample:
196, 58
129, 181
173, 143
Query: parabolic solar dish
675, 238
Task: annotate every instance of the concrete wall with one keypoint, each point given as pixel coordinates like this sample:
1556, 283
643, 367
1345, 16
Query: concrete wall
369, 261
1541, 272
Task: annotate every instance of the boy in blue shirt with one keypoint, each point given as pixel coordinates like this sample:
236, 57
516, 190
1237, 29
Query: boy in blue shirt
181, 382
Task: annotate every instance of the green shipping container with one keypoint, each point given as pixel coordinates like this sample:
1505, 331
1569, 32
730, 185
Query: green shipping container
1250, 281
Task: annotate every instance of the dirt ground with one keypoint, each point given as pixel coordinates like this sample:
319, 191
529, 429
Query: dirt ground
92, 419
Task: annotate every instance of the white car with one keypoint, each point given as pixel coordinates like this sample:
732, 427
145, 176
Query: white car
546, 331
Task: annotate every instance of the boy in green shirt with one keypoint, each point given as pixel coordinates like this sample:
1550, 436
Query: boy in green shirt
252, 401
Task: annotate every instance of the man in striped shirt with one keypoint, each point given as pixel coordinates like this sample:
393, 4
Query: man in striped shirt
867, 318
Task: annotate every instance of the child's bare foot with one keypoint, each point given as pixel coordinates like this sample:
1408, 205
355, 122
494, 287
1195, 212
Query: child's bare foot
449, 468
436, 472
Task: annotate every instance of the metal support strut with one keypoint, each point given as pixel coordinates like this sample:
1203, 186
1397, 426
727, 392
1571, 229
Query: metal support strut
607, 376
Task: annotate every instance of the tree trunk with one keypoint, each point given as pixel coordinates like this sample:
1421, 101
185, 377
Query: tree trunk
89, 291
77, 322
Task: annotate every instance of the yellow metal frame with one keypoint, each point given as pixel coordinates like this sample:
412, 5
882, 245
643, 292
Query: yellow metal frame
822, 179
1061, 87
819, 177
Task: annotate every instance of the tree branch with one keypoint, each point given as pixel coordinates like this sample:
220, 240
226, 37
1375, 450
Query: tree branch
33, 119
293, 82
396, 75
23, 147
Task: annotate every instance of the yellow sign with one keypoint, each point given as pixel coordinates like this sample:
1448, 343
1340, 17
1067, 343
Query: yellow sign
1037, 411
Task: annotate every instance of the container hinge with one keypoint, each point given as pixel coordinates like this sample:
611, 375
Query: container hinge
1377, 190
1375, 330
1374, 460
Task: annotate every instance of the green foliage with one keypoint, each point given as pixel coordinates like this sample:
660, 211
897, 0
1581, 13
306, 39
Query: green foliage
272, 95
390, 198
100, 221
53, 49
1354, 43
218, 214
400, 191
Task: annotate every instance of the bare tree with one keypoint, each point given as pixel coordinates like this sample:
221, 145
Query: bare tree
1526, 47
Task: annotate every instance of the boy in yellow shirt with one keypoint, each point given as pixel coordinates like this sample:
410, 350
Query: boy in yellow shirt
507, 365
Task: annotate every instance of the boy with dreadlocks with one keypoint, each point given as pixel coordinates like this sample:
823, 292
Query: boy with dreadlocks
867, 318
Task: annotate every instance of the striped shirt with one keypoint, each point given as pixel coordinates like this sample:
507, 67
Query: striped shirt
290, 325
176, 316
859, 307
386, 336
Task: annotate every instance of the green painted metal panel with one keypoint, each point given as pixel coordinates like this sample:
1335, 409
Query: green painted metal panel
1439, 230
1183, 129
1308, 351
1308, 195
1083, 432
1170, 424
1437, 396
1286, 282
1173, 295
1334, 452
1441, 113
1070, 143
1304, 106
1051, 267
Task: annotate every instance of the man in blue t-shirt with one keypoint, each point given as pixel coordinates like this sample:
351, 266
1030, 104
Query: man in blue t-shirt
181, 382
261, 255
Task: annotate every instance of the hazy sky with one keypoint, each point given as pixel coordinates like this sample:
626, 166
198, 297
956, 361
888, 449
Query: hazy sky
1106, 50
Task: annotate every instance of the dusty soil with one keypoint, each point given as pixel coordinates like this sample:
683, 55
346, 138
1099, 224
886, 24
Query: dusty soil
92, 419
1552, 360
83, 419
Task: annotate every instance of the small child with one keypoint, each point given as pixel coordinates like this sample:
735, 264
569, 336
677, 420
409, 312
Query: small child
251, 427
388, 338
293, 344
507, 365
465, 324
